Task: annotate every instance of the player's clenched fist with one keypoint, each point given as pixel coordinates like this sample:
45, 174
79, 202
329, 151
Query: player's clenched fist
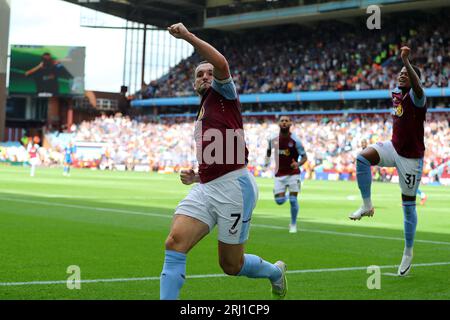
405, 52
187, 176
178, 30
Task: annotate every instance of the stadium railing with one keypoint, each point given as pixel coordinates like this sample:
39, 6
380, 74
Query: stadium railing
301, 113
302, 96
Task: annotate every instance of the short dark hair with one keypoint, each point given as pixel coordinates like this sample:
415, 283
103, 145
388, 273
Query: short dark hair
199, 64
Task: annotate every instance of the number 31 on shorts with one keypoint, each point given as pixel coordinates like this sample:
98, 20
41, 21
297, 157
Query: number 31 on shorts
410, 180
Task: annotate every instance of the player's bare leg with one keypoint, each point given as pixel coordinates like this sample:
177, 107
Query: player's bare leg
367, 158
234, 262
231, 257
185, 233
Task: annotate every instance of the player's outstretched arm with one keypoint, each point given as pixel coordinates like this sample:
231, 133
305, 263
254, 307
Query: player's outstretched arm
207, 51
34, 69
412, 75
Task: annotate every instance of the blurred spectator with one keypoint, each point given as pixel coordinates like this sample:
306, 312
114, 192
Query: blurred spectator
331, 142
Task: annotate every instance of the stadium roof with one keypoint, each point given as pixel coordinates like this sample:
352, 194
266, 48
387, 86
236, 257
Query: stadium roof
193, 13
159, 13
241, 14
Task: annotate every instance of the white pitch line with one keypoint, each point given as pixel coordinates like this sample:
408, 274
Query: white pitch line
55, 204
431, 264
347, 234
151, 214
217, 275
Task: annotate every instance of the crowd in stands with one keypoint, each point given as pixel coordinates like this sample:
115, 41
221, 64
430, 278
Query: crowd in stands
325, 56
331, 142
133, 142
16, 153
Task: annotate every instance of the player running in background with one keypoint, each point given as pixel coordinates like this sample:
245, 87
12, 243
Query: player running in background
69, 152
423, 196
225, 193
289, 157
436, 172
405, 151
33, 149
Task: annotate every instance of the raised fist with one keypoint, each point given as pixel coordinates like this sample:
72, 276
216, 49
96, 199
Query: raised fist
405, 52
178, 30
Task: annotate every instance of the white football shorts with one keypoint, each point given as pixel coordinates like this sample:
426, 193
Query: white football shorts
293, 182
34, 161
409, 170
227, 201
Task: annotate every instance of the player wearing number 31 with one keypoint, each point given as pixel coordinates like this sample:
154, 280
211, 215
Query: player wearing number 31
224, 193
405, 151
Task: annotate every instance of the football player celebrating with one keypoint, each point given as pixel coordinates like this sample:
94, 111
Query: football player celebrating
224, 192
405, 151
289, 157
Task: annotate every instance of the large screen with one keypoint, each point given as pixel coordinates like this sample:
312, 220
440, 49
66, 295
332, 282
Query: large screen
47, 71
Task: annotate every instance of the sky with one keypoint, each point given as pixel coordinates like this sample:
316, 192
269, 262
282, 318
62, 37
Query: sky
56, 22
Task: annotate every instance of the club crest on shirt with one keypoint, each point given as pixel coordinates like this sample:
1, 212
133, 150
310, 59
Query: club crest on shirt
398, 110
284, 152
201, 113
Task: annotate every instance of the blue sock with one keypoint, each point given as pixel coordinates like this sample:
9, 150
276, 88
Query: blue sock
65, 169
294, 209
410, 222
255, 267
280, 200
172, 275
419, 192
363, 176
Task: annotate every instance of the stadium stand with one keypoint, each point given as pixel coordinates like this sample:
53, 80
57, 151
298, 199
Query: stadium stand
283, 59
331, 141
309, 58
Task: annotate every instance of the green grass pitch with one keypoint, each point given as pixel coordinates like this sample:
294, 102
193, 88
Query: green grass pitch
113, 226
